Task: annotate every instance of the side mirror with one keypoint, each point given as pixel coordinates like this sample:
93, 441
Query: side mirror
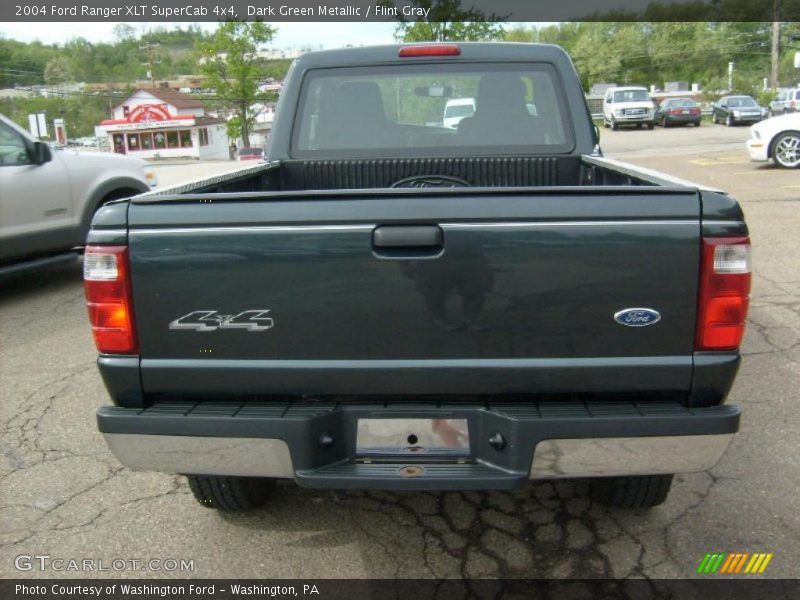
40, 153
596, 133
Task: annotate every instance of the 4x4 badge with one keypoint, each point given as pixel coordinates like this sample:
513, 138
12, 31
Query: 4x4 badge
211, 320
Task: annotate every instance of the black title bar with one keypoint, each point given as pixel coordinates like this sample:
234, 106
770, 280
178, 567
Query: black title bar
394, 10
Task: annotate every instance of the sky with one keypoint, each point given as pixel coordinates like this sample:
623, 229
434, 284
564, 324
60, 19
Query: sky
290, 35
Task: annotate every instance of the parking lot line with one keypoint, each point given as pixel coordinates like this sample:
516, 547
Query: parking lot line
707, 162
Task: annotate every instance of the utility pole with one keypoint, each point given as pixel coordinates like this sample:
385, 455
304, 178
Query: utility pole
150, 49
776, 43
731, 66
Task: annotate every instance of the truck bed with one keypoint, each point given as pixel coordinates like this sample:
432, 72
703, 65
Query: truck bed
415, 173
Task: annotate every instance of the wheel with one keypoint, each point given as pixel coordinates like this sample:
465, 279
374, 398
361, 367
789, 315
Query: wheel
229, 493
650, 126
729, 121
769, 113
697, 123
642, 491
605, 123
715, 119
614, 125
786, 150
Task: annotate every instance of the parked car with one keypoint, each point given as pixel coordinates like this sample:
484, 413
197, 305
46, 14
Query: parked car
628, 106
48, 196
785, 101
394, 304
733, 110
251, 153
678, 111
778, 139
457, 109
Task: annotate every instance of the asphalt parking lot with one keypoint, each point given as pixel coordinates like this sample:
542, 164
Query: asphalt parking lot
62, 494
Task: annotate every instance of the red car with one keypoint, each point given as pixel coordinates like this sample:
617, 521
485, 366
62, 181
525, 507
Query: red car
678, 111
251, 154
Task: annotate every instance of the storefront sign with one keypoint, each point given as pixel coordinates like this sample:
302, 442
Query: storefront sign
150, 124
149, 112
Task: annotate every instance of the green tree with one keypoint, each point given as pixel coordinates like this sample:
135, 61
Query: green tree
447, 21
231, 64
58, 72
124, 32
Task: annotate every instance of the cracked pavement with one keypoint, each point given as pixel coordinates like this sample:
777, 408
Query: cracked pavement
63, 494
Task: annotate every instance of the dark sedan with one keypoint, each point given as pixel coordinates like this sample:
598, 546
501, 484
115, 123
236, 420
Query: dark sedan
678, 111
737, 109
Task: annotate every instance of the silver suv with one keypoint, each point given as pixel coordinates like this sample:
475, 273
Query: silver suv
48, 196
786, 101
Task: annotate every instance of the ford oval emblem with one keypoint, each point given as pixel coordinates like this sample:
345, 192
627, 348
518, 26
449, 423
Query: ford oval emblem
637, 317
431, 181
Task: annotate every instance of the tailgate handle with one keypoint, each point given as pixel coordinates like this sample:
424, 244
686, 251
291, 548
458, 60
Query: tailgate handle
407, 236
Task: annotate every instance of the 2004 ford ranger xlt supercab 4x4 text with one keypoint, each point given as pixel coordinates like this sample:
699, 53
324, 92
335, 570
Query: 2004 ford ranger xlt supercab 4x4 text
388, 303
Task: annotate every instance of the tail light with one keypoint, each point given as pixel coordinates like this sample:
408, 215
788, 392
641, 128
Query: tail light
106, 276
724, 293
429, 50
675, 111
695, 111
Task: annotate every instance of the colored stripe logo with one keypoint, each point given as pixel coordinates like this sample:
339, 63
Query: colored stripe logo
734, 563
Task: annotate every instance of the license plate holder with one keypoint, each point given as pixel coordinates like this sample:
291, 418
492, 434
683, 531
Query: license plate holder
423, 437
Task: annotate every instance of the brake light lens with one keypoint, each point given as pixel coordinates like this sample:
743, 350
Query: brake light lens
725, 279
430, 50
106, 276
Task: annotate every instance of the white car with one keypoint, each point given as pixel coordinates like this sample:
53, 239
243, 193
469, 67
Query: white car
628, 105
49, 196
457, 109
777, 138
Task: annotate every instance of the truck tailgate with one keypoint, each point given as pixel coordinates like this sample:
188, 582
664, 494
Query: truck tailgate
430, 292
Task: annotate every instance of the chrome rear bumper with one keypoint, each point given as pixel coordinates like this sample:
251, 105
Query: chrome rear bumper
508, 443
599, 457
590, 457
247, 457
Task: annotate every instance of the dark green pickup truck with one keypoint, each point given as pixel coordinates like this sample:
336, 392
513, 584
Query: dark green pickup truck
391, 303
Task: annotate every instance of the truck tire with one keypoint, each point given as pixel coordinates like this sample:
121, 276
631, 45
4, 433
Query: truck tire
229, 493
614, 125
642, 491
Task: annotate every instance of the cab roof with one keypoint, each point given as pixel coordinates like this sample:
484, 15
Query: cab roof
470, 51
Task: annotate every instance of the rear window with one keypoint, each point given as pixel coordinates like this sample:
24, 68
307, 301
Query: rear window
741, 102
399, 110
